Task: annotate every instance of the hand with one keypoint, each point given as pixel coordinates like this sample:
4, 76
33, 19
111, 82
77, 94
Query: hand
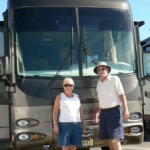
95, 118
56, 129
83, 128
126, 114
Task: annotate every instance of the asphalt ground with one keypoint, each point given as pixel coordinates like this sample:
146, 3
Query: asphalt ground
144, 146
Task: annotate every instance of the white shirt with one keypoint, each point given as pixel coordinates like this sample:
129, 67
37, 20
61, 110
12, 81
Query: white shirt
108, 92
69, 109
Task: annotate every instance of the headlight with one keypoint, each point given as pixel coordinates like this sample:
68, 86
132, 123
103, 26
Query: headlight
23, 137
22, 123
135, 116
26, 122
28, 136
135, 129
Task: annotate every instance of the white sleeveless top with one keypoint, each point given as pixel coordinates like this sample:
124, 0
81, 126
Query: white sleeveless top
69, 109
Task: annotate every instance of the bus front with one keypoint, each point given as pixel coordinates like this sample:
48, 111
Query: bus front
55, 39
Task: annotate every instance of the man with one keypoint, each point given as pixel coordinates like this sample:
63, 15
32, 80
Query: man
110, 95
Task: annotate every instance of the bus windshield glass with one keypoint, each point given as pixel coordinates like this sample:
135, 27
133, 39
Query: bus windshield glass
47, 43
106, 35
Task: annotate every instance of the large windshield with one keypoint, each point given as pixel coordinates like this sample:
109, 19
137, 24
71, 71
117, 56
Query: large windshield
47, 43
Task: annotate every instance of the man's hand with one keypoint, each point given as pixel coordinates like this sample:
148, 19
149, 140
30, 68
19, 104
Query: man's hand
125, 107
126, 114
95, 118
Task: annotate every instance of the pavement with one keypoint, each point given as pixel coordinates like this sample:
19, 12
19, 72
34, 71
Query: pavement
144, 146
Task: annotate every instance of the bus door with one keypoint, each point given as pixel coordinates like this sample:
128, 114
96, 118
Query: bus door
4, 96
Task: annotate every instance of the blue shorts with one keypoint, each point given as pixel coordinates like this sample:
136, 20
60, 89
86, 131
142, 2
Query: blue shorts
111, 124
70, 134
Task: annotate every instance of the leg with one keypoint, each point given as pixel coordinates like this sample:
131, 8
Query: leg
72, 147
114, 144
76, 136
65, 148
115, 129
64, 135
110, 144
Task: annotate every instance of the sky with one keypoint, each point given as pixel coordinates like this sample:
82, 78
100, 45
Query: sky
140, 12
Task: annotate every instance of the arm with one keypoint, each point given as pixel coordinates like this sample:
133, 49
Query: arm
125, 107
120, 91
82, 120
55, 113
96, 115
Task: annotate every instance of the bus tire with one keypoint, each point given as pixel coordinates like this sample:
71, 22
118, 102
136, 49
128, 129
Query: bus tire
86, 148
105, 148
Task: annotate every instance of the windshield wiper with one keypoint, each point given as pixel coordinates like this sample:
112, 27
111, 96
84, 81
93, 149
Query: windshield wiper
87, 50
65, 59
72, 48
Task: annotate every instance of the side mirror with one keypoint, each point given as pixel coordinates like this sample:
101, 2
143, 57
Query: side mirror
3, 41
4, 66
4, 61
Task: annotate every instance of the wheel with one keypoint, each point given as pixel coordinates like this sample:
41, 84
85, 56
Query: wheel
105, 148
85, 148
147, 125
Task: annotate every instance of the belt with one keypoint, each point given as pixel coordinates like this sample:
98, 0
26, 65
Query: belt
107, 109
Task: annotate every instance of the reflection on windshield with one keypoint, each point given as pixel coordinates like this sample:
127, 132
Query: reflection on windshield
44, 37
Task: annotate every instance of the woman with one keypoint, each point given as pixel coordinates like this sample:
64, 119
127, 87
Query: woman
69, 127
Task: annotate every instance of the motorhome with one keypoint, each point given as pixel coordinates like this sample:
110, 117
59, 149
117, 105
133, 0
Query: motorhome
44, 41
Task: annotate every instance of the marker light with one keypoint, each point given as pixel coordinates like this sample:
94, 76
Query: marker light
127, 130
35, 136
13, 137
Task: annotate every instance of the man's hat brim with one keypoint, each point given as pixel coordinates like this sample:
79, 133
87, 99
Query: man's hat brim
101, 64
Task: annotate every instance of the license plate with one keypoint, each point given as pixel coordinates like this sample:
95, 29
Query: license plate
86, 143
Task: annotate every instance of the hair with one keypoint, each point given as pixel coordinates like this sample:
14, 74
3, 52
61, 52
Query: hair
70, 80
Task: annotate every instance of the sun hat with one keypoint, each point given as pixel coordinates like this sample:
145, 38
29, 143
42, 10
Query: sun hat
101, 63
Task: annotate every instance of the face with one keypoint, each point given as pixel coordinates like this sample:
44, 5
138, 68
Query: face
102, 71
68, 87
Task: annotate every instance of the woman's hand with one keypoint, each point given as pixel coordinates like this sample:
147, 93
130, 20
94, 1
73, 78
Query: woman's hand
55, 113
56, 129
83, 128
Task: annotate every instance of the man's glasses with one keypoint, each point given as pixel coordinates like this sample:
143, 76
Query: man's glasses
66, 85
102, 69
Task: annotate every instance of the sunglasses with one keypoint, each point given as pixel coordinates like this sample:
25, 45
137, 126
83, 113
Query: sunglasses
102, 69
66, 85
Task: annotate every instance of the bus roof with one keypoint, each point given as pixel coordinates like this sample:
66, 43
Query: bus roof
116, 4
